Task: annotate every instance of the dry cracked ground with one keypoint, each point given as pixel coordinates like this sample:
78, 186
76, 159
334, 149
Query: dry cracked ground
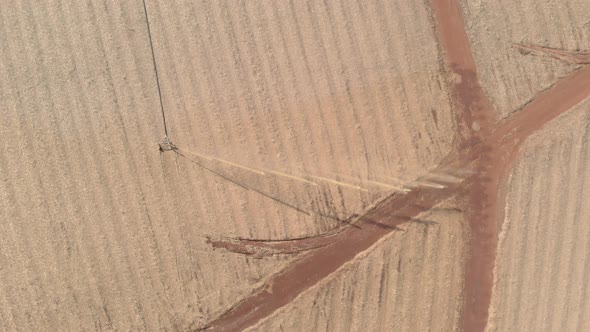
337, 165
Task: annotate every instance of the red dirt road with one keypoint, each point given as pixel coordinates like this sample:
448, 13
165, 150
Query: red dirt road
546, 106
486, 144
474, 110
486, 200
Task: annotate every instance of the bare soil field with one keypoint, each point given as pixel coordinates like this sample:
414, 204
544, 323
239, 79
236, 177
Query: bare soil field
337, 165
305, 89
95, 234
512, 76
542, 264
102, 231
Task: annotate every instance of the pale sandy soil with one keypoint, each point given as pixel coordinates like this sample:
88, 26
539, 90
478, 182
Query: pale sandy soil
337, 89
542, 264
289, 116
95, 233
510, 78
102, 232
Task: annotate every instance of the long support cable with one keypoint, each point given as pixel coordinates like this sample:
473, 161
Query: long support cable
147, 21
